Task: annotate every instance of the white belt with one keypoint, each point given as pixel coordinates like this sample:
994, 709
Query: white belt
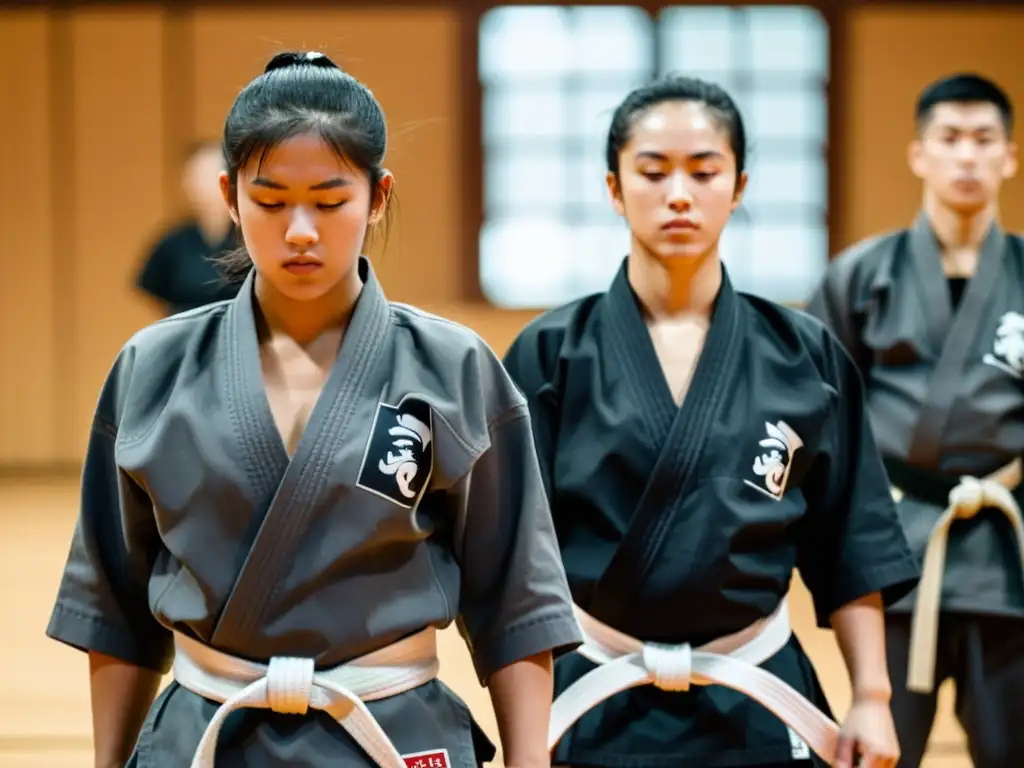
292, 686
731, 661
965, 501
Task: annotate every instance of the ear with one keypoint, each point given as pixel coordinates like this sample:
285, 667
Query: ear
741, 188
915, 158
615, 193
1011, 164
225, 190
382, 196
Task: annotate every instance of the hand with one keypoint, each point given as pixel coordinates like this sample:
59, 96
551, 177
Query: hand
870, 734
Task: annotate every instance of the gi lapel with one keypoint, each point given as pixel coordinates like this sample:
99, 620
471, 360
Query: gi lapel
953, 335
678, 458
630, 342
306, 474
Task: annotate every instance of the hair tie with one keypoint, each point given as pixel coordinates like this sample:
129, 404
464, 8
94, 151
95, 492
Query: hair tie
304, 58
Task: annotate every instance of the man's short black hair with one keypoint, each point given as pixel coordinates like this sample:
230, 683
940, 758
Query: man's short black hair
964, 88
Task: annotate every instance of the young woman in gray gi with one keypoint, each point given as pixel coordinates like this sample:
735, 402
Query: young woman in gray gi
288, 492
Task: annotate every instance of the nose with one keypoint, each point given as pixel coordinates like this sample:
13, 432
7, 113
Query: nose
302, 230
679, 197
966, 151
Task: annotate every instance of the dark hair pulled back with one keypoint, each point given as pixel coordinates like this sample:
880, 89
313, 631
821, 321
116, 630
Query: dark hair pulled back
715, 99
302, 93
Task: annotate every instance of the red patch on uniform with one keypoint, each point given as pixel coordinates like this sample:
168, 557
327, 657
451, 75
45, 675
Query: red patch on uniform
435, 759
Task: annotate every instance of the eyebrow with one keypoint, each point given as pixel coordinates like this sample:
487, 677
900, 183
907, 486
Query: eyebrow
706, 155
334, 183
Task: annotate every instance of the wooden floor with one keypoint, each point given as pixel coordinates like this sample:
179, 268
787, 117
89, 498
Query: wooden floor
44, 699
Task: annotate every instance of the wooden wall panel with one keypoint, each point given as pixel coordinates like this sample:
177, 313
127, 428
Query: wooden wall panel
894, 52
28, 382
420, 101
118, 188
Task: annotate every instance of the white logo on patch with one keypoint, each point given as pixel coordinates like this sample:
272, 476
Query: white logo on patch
1008, 349
410, 433
774, 463
399, 455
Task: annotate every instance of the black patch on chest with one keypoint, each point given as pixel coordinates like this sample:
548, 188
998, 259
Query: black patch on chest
773, 457
399, 455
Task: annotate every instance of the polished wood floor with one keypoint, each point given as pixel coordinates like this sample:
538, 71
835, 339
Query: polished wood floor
44, 698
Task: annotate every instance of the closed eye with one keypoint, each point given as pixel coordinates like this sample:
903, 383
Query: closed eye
321, 206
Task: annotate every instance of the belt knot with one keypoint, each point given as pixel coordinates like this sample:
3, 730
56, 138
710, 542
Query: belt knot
670, 666
290, 684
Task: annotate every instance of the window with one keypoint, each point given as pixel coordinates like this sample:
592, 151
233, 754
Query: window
551, 77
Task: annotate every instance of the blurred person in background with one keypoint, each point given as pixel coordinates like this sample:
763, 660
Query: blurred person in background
181, 271
934, 317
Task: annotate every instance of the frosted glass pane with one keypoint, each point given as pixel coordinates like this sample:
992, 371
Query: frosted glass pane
788, 39
796, 114
541, 263
597, 254
590, 109
799, 180
537, 111
734, 252
611, 39
587, 189
697, 41
518, 41
520, 180
787, 260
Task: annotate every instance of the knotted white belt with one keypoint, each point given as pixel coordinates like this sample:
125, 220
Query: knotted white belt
965, 501
293, 686
731, 661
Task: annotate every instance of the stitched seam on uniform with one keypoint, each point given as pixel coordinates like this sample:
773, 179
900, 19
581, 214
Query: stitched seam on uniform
244, 422
253, 436
64, 608
533, 621
473, 450
868, 579
507, 633
296, 524
237, 419
138, 644
641, 389
514, 413
705, 413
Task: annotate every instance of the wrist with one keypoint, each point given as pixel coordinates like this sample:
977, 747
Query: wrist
880, 693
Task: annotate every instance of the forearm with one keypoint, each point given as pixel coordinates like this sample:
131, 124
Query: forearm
521, 693
860, 632
122, 694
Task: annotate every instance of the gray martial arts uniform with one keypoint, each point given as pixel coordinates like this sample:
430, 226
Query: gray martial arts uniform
944, 375
194, 518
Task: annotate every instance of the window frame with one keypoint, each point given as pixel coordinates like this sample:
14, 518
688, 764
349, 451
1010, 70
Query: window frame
476, 156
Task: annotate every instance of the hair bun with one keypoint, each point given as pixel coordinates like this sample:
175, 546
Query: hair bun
305, 58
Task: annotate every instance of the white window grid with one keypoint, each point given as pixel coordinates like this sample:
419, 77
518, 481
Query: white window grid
551, 77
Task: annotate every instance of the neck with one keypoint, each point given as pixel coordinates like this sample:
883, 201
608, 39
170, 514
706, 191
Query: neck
955, 229
306, 321
213, 225
684, 286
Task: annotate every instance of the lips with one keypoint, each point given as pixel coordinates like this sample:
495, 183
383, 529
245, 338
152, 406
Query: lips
679, 225
303, 261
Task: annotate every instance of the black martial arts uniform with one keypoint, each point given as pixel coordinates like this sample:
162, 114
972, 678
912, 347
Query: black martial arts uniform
943, 362
684, 524
180, 271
